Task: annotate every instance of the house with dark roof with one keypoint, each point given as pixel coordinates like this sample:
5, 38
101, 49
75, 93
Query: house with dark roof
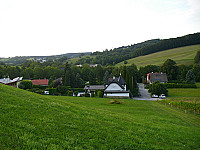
41, 82
14, 82
116, 87
152, 77
92, 88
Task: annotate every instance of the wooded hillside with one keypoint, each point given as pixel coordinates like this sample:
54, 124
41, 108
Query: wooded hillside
114, 56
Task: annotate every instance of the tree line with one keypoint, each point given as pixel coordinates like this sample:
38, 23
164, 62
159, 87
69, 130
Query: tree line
78, 77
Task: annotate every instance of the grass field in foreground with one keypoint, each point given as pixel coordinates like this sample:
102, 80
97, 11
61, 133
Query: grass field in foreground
183, 55
32, 121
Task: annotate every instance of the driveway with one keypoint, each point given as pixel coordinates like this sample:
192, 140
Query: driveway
145, 95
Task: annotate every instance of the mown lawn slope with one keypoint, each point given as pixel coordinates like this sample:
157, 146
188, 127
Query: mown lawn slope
183, 55
31, 121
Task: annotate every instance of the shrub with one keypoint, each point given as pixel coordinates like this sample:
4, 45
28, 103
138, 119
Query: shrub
116, 101
147, 86
26, 84
82, 95
53, 91
69, 93
158, 88
62, 89
87, 95
96, 92
190, 77
100, 93
75, 93
92, 94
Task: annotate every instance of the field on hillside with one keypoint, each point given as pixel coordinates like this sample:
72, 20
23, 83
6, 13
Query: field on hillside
32, 121
184, 55
74, 60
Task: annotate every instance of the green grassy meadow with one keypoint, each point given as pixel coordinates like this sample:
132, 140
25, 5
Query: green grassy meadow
32, 121
183, 55
184, 92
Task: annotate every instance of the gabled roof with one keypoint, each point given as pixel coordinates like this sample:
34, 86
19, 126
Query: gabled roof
120, 81
40, 82
9, 81
162, 77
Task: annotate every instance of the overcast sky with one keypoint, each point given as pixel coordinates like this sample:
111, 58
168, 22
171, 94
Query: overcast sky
48, 27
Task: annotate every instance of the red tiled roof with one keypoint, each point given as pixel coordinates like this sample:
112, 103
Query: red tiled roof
40, 82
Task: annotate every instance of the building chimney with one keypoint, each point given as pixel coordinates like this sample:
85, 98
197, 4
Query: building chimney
8, 80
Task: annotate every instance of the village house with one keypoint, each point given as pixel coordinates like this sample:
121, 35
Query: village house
116, 87
14, 83
92, 88
152, 77
91, 65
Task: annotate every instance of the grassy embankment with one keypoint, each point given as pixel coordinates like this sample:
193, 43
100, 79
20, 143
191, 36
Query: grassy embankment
32, 121
183, 55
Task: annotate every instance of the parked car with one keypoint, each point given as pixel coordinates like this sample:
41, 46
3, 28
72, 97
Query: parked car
162, 96
154, 96
46, 92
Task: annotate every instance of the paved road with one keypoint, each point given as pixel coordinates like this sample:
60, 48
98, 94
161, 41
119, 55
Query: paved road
145, 95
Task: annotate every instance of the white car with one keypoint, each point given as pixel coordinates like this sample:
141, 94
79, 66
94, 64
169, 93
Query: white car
154, 96
46, 92
162, 96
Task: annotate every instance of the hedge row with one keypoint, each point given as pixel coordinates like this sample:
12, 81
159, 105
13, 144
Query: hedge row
40, 87
176, 85
53, 91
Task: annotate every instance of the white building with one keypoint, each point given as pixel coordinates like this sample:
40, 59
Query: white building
14, 83
116, 88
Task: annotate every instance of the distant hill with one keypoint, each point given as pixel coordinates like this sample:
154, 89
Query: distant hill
183, 55
21, 59
116, 55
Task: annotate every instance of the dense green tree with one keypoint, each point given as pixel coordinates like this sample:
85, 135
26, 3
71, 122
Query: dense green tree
2, 71
27, 73
26, 84
196, 71
85, 71
99, 73
130, 73
67, 75
182, 71
12, 72
78, 81
106, 77
38, 73
197, 58
158, 88
190, 77
169, 67
92, 77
